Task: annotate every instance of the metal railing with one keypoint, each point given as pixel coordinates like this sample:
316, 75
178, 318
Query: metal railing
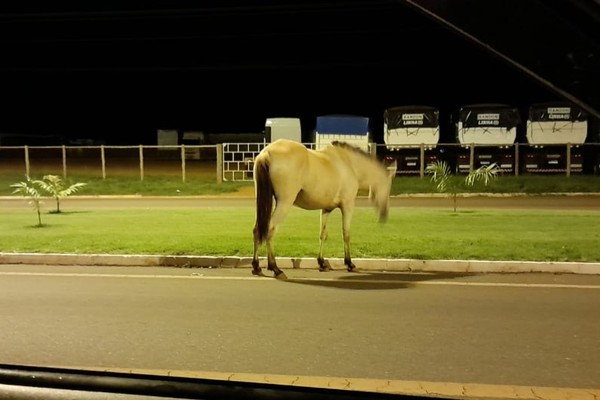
234, 161
105, 161
515, 159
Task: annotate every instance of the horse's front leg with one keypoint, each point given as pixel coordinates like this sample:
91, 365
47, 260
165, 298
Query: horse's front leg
323, 265
346, 220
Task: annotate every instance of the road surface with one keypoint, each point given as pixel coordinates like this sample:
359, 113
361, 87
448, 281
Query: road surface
498, 329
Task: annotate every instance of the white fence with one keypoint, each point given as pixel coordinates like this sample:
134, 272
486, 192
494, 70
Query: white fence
106, 161
238, 160
235, 161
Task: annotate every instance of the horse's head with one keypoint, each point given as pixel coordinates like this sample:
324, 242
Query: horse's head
379, 193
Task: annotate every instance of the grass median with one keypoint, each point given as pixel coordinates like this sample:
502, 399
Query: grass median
523, 235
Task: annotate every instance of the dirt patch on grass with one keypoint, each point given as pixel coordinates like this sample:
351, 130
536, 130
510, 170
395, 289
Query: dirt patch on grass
245, 191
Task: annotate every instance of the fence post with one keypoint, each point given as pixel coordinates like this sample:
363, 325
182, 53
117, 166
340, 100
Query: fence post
64, 161
568, 159
516, 159
183, 163
27, 160
220, 163
472, 158
103, 158
373, 149
141, 163
422, 158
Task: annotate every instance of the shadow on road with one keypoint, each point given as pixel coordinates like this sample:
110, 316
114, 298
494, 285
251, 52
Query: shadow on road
377, 280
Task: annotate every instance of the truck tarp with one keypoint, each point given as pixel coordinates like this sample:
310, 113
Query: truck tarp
556, 112
342, 125
411, 116
489, 115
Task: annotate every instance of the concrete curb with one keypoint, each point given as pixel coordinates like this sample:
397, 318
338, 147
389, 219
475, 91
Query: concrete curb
364, 264
475, 391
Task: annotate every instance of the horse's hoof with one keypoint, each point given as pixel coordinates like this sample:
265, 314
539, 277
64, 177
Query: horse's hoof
324, 265
257, 273
352, 268
281, 275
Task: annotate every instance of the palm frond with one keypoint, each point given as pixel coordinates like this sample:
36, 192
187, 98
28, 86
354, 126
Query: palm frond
26, 188
71, 189
55, 186
484, 173
440, 173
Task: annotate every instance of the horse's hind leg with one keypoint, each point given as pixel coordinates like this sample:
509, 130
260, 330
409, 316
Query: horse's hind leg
256, 270
281, 210
271, 264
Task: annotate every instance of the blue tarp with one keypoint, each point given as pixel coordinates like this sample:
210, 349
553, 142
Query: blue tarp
342, 125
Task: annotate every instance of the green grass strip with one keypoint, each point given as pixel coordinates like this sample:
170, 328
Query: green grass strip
174, 186
409, 233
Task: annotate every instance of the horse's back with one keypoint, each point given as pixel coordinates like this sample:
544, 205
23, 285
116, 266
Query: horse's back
284, 151
285, 146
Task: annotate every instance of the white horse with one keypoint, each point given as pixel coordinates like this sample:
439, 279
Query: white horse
326, 179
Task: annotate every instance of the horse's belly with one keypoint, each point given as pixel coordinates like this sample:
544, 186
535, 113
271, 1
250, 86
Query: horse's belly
312, 202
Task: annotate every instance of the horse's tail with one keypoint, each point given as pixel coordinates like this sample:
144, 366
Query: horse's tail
264, 198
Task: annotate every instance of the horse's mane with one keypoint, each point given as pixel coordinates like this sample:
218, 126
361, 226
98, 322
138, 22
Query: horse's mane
350, 147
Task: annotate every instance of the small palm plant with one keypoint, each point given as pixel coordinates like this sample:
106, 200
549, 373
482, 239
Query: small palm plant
55, 187
28, 188
442, 176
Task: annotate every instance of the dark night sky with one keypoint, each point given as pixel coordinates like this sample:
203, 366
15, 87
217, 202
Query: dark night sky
118, 71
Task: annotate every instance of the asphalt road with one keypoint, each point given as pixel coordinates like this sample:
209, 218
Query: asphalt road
499, 329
